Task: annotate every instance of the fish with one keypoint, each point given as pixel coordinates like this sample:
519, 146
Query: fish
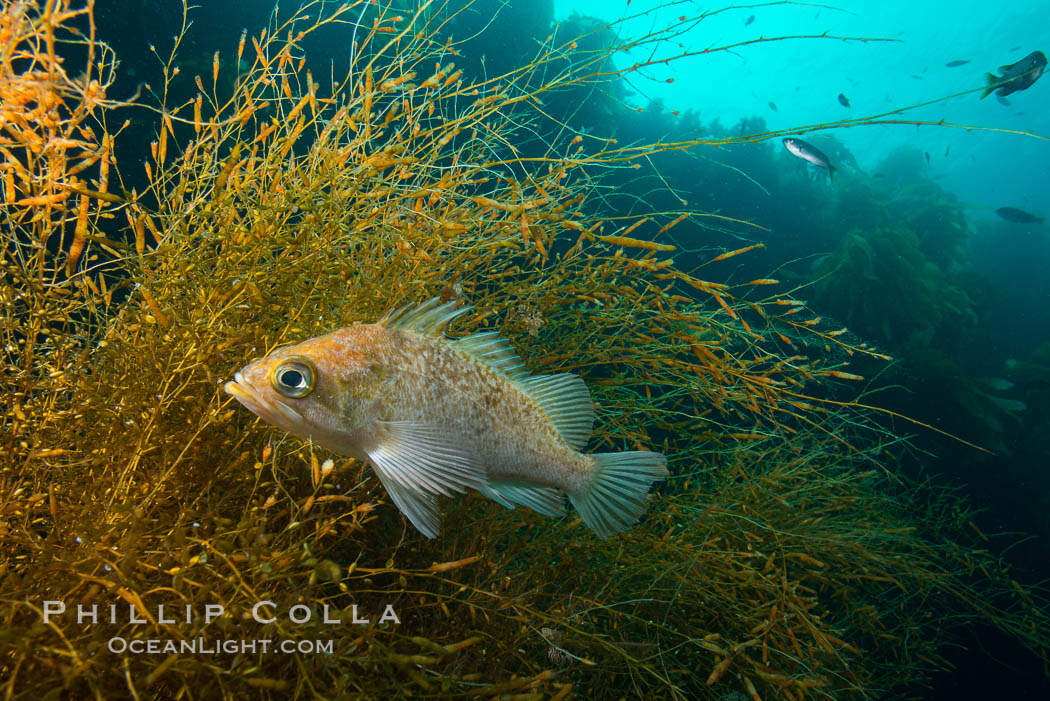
435, 415
1016, 76
773, 106
957, 63
808, 152
843, 100
927, 154
997, 383
947, 149
749, 20
1007, 404
1017, 216
1037, 385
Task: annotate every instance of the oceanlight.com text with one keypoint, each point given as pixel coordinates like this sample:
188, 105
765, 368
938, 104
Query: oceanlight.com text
231, 646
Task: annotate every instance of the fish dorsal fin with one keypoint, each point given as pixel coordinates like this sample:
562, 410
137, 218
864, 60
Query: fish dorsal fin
567, 401
564, 398
494, 351
429, 318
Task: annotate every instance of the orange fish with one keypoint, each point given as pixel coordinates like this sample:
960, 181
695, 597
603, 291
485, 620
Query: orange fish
435, 415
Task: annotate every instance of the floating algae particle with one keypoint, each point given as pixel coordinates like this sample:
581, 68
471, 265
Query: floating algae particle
779, 553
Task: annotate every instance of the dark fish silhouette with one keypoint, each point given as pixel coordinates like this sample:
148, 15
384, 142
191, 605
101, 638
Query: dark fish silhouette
808, 152
946, 150
1036, 386
1017, 216
773, 106
843, 100
927, 154
749, 20
1016, 76
956, 64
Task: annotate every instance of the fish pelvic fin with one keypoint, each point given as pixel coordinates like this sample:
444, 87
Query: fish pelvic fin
993, 81
831, 173
614, 498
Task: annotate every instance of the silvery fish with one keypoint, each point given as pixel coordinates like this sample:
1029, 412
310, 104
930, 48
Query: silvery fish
435, 415
1016, 76
808, 152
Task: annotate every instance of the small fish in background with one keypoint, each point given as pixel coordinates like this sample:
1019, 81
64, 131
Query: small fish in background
947, 149
436, 415
1037, 385
808, 152
1016, 76
1017, 216
749, 20
997, 383
843, 100
917, 77
773, 106
927, 154
957, 63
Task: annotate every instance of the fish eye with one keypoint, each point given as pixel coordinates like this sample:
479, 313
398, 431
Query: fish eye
293, 377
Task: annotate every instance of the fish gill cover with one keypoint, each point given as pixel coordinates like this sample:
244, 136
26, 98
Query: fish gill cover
784, 556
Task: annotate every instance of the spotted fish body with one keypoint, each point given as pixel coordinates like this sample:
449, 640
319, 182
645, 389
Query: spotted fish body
435, 415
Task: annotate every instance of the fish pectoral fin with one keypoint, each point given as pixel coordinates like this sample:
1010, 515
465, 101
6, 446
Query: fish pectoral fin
416, 461
418, 507
424, 457
549, 501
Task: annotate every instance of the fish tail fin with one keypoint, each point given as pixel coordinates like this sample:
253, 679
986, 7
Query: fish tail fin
992, 81
614, 498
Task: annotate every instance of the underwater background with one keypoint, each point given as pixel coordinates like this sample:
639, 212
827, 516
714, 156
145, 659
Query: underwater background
903, 246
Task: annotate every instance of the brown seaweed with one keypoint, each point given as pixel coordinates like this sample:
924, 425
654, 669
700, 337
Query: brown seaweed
784, 558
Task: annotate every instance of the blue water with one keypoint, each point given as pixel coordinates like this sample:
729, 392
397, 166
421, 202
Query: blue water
803, 77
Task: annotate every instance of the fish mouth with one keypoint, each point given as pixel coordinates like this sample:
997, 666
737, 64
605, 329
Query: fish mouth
278, 413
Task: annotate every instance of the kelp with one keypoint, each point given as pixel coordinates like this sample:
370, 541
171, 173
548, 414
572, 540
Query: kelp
879, 281
783, 557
